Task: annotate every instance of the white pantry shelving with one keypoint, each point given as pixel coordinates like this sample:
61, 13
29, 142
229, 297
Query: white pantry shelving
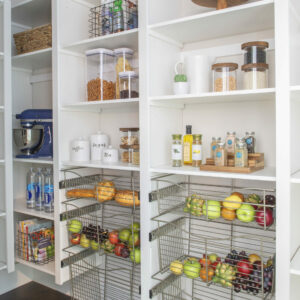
39, 161
47, 268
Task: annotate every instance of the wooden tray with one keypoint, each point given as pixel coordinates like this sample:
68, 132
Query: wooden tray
219, 4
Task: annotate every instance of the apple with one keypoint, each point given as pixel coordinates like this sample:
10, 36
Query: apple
75, 226
124, 235
134, 239
176, 267
213, 209
114, 237
191, 268
135, 227
264, 215
75, 239
246, 213
125, 253
95, 245
214, 265
118, 249
213, 257
135, 255
244, 267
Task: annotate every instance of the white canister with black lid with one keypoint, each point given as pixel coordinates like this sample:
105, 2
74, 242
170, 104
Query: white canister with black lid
110, 155
80, 150
99, 141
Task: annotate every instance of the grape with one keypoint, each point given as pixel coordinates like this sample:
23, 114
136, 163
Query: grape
255, 292
237, 288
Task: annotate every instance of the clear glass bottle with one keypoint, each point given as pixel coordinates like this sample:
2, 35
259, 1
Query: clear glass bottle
30, 190
224, 77
177, 150
187, 146
221, 155
241, 154
230, 143
250, 141
197, 150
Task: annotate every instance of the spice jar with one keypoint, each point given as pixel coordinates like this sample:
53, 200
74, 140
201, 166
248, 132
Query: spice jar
124, 59
128, 85
197, 150
129, 136
100, 74
230, 143
255, 76
250, 141
177, 150
221, 155
241, 154
224, 77
255, 52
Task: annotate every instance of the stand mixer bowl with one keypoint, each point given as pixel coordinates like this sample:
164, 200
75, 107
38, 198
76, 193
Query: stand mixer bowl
28, 140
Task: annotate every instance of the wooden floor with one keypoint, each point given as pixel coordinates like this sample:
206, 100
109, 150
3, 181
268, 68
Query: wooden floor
33, 291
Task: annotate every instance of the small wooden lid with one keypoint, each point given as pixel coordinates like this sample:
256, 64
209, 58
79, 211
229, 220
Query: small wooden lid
256, 43
133, 147
213, 3
231, 66
129, 129
260, 66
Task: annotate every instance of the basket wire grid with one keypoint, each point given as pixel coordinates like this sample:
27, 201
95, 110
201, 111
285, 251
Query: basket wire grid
113, 17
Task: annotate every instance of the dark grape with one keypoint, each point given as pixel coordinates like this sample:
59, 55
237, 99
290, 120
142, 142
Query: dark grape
255, 292
237, 288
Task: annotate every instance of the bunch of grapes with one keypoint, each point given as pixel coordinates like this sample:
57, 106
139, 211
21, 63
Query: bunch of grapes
233, 257
268, 279
248, 284
92, 233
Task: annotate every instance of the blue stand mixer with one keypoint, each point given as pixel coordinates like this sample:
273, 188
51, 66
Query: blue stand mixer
35, 138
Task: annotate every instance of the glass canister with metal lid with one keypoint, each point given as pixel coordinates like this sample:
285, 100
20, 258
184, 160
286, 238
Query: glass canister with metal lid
241, 154
197, 150
221, 155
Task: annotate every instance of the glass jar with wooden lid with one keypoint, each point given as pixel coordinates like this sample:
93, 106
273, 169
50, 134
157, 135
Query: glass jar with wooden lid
255, 52
255, 76
224, 77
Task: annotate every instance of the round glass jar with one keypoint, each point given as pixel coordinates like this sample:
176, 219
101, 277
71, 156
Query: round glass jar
177, 150
197, 150
224, 77
129, 85
255, 52
255, 76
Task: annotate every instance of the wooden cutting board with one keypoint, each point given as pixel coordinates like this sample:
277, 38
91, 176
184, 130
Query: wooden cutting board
219, 4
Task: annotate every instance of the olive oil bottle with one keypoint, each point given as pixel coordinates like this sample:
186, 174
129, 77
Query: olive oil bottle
187, 146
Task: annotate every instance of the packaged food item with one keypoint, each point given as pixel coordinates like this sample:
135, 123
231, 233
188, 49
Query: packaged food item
129, 85
221, 155
177, 150
241, 154
230, 143
250, 141
224, 77
187, 146
106, 19
255, 76
197, 150
118, 16
255, 52
100, 74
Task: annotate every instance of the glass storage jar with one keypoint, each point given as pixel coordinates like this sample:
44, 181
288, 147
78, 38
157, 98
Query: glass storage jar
129, 137
124, 62
129, 85
241, 154
255, 52
221, 155
224, 77
197, 150
177, 150
255, 76
130, 155
250, 141
100, 74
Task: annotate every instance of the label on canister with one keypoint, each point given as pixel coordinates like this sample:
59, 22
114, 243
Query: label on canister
176, 152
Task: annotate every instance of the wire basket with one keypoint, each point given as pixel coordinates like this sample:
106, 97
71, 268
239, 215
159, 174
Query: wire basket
113, 17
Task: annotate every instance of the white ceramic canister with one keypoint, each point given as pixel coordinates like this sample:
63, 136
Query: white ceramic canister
99, 141
110, 155
80, 150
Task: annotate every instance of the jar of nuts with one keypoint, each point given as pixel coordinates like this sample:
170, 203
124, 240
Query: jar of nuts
100, 75
130, 155
129, 136
224, 77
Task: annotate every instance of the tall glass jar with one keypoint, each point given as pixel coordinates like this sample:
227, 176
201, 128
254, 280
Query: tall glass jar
241, 154
255, 76
129, 85
230, 142
221, 155
197, 150
224, 77
177, 150
250, 141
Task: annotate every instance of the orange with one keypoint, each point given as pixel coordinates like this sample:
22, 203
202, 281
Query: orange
228, 214
210, 273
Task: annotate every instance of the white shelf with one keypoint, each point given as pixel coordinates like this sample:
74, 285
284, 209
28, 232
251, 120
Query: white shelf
247, 18
128, 38
20, 207
31, 13
2, 266
295, 178
41, 161
295, 263
295, 92
2, 214
96, 106
33, 60
2, 162
1, 108
267, 174
98, 165
47, 268
215, 97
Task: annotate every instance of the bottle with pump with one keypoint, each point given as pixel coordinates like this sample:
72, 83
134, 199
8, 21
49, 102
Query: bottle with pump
187, 146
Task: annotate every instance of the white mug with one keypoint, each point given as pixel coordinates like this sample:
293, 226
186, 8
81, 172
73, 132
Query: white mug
99, 142
80, 150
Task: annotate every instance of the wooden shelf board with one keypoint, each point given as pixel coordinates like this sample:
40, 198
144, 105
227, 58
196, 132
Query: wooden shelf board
20, 207
42, 161
33, 60
128, 39
98, 165
47, 268
208, 26
267, 174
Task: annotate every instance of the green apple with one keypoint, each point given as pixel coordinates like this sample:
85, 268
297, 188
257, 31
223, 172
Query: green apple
135, 227
134, 239
191, 268
75, 226
213, 257
135, 255
213, 209
246, 213
124, 235
95, 245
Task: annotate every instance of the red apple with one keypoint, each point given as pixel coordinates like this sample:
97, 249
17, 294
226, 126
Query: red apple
75, 239
114, 237
118, 249
244, 267
263, 217
214, 265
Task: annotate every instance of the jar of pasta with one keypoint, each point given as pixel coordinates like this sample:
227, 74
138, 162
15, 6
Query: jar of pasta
224, 77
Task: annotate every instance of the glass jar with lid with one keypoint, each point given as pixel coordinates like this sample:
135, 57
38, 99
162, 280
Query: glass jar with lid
255, 52
197, 150
221, 155
177, 150
255, 76
250, 141
130, 155
129, 137
124, 63
224, 77
241, 154
129, 85
100, 74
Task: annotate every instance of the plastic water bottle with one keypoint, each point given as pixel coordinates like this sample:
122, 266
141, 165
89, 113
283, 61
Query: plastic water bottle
30, 193
39, 190
49, 192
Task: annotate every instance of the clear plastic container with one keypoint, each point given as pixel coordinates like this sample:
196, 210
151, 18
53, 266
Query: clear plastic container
124, 62
224, 77
255, 76
129, 137
100, 74
129, 85
255, 52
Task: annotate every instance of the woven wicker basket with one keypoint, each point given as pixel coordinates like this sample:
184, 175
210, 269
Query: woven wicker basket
34, 39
